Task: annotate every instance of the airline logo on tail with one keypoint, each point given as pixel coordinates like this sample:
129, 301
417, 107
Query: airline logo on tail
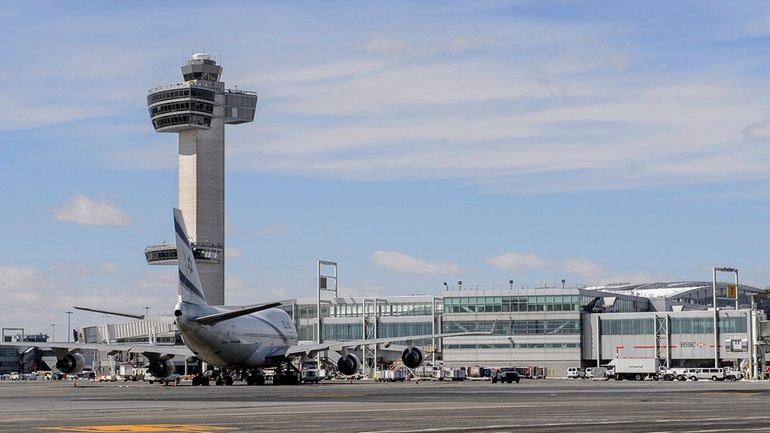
189, 281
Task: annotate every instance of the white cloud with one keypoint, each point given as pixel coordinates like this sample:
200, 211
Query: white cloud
758, 131
549, 131
159, 280
40, 297
233, 253
279, 293
460, 44
594, 273
399, 262
108, 267
83, 210
382, 44
584, 268
365, 292
512, 261
324, 71
21, 284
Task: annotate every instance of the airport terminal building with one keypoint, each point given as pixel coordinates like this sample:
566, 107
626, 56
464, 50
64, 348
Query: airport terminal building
551, 327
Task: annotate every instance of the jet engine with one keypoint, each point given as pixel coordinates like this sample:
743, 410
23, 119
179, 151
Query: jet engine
161, 368
348, 364
412, 357
72, 363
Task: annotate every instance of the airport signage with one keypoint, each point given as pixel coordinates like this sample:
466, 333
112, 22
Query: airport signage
691, 344
737, 344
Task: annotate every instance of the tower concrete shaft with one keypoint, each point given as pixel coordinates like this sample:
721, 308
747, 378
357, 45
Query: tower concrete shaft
198, 110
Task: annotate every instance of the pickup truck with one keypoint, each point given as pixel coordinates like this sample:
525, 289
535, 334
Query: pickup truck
506, 375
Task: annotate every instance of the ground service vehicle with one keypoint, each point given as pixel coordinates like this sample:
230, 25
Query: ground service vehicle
458, 374
310, 376
129, 372
87, 374
713, 374
442, 373
575, 373
506, 375
635, 368
733, 374
673, 374
598, 373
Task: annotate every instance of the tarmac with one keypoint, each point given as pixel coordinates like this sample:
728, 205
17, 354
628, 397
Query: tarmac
339, 406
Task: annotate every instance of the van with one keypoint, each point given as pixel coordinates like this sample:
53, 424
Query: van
575, 373
713, 374
598, 373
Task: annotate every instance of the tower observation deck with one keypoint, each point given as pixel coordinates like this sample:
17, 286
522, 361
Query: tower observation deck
198, 110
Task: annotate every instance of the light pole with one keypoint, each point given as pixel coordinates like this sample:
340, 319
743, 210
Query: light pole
146, 312
69, 328
716, 309
53, 332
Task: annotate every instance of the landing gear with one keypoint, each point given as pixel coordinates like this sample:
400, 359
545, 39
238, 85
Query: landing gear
200, 378
223, 377
286, 374
255, 377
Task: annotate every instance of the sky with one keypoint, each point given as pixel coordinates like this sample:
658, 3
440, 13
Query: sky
414, 143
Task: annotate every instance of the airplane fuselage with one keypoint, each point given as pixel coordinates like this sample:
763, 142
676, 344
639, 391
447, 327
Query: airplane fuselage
243, 342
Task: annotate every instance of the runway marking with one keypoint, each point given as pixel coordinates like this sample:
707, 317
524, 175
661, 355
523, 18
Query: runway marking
602, 423
140, 428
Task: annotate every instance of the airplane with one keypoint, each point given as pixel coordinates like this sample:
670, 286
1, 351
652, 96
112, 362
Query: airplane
250, 338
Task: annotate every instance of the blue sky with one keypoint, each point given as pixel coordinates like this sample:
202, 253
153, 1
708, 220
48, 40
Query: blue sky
413, 142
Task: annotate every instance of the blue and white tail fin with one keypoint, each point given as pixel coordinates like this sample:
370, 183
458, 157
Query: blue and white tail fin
190, 289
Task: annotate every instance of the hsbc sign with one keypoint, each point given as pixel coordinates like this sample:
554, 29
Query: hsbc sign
692, 344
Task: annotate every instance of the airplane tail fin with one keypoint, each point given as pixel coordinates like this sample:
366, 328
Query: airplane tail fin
190, 289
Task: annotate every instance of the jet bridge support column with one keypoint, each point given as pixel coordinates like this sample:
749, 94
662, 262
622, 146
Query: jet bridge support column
326, 271
370, 321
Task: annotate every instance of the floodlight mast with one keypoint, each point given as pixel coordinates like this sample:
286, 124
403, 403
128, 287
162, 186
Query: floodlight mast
716, 309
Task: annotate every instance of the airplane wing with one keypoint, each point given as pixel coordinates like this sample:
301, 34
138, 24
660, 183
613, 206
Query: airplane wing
112, 313
107, 347
218, 317
312, 349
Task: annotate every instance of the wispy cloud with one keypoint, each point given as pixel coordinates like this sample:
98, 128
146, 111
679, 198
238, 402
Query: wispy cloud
85, 211
594, 273
758, 131
503, 126
511, 261
21, 284
108, 267
400, 262
384, 44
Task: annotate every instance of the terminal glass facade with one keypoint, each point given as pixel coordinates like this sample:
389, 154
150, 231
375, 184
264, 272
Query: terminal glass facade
504, 304
516, 327
679, 325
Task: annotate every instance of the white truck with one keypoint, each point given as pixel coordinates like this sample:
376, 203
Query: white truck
635, 368
129, 372
397, 375
442, 373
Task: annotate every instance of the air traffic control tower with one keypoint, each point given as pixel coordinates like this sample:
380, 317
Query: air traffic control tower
198, 110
